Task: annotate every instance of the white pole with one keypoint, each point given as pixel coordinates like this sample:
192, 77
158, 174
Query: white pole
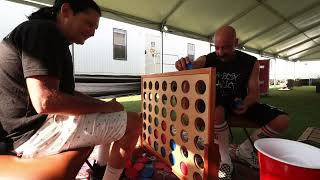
294, 71
275, 70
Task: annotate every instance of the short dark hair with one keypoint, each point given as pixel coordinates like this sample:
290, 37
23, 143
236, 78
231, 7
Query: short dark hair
50, 13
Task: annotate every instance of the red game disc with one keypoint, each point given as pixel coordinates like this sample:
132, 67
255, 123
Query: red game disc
159, 165
138, 166
128, 164
131, 173
143, 159
184, 168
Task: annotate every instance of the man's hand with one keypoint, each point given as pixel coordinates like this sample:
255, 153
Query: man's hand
239, 106
181, 64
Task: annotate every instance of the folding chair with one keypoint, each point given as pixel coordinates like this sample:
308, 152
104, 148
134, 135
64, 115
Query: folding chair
242, 122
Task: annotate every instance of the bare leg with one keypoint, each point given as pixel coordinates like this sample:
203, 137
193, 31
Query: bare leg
122, 149
103, 154
280, 123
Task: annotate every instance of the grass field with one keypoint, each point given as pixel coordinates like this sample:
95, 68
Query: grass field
302, 104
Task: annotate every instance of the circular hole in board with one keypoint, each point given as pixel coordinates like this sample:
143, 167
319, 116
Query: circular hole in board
164, 125
173, 115
150, 118
184, 119
144, 85
144, 115
144, 105
163, 152
164, 99
156, 109
173, 101
173, 130
200, 125
163, 139
156, 85
144, 136
155, 146
184, 136
184, 151
198, 161
149, 140
201, 87
174, 86
199, 142
173, 145
150, 129
156, 133
197, 176
200, 106
156, 121
185, 86
156, 97
164, 112
185, 103
164, 85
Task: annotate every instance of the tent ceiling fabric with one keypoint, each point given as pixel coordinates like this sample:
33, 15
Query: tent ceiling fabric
289, 29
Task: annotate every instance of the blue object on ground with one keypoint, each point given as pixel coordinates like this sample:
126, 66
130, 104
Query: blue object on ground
147, 172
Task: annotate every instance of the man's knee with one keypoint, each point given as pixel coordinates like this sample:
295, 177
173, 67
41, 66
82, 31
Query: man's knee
280, 123
219, 115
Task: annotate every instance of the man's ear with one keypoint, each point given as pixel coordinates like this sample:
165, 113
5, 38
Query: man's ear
66, 10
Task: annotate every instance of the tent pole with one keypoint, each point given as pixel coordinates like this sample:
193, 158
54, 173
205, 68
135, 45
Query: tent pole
275, 71
161, 51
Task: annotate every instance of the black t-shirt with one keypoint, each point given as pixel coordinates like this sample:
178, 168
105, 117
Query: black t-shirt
232, 77
35, 47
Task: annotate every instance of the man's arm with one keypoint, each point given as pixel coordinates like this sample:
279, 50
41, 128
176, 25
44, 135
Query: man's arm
253, 91
181, 64
47, 99
253, 86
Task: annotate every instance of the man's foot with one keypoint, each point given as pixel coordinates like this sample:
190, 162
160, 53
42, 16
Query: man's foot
225, 172
97, 171
247, 157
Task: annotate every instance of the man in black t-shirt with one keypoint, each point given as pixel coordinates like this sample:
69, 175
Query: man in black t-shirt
237, 92
41, 114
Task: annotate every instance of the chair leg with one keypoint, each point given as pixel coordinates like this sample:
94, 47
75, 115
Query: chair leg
89, 164
231, 135
248, 136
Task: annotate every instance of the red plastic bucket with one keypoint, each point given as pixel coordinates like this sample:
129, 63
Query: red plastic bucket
281, 159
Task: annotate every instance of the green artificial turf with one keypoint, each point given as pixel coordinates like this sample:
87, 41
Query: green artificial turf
302, 104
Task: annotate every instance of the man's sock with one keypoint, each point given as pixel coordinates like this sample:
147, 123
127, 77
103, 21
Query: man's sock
103, 154
221, 138
112, 173
263, 132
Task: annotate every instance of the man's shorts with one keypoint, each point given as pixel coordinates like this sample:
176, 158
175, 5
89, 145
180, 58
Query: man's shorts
260, 113
60, 133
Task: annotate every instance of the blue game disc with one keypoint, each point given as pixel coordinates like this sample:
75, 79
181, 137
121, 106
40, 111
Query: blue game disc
147, 172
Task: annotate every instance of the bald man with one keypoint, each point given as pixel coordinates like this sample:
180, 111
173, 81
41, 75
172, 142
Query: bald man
237, 93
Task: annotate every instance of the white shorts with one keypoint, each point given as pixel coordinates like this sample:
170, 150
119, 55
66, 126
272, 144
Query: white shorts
60, 133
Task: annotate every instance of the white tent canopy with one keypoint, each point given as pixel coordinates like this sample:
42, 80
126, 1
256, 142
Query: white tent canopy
286, 29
